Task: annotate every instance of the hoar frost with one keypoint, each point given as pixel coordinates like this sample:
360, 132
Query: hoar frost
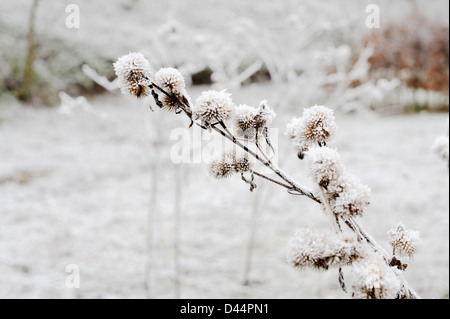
316, 127
213, 106
227, 164
310, 248
346, 195
405, 242
249, 121
171, 80
133, 72
374, 279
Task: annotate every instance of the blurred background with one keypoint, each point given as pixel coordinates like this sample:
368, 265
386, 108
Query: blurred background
93, 206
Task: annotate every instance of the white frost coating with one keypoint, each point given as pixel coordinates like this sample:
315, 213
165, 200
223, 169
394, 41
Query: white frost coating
317, 126
405, 242
133, 72
245, 121
213, 106
373, 279
352, 198
171, 80
325, 165
266, 113
250, 121
310, 248
222, 166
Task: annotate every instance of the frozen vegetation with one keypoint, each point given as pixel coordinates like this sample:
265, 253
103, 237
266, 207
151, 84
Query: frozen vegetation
91, 182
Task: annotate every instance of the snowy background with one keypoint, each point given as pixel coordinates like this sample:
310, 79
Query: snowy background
86, 176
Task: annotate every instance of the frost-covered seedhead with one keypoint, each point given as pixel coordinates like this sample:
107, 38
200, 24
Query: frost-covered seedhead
325, 165
213, 106
223, 166
266, 115
405, 242
133, 72
348, 196
250, 121
171, 80
243, 165
293, 133
309, 248
229, 163
245, 121
373, 279
317, 126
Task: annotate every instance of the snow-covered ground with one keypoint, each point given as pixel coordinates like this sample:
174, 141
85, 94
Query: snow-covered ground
82, 189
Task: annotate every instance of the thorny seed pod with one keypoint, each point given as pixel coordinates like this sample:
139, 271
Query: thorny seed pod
171, 80
250, 122
223, 166
265, 115
325, 165
316, 127
373, 279
245, 122
348, 196
242, 165
213, 106
133, 73
309, 248
405, 242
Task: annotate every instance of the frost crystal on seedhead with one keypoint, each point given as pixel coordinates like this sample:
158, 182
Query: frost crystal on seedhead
213, 106
405, 242
349, 196
374, 280
223, 166
250, 121
265, 115
242, 165
228, 163
325, 165
171, 80
316, 127
133, 72
245, 121
309, 248
292, 131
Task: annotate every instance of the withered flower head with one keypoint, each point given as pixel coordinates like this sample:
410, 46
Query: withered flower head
133, 72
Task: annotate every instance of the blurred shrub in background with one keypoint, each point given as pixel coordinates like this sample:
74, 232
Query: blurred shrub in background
416, 51
311, 52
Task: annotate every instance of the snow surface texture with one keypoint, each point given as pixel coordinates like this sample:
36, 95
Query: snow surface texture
78, 190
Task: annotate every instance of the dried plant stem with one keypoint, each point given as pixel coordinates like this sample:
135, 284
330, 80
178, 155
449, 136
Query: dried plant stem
362, 235
295, 186
292, 186
24, 93
272, 180
258, 146
184, 105
329, 212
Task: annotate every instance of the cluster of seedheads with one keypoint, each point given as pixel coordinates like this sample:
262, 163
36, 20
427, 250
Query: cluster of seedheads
341, 195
